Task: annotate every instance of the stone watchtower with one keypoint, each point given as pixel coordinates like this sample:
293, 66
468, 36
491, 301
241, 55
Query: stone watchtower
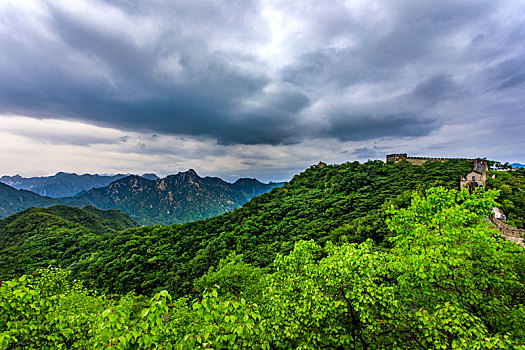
396, 157
477, 177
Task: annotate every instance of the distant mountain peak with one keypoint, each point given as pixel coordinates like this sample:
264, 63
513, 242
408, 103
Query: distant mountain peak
13, 200
188, 174
62, 184
133, 176
150, 176
247, 180
129, 179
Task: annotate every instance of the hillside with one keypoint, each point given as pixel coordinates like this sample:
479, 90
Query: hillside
446, 281
13, 200
57, 236
175, 199
63, 184
337, 203
293, 268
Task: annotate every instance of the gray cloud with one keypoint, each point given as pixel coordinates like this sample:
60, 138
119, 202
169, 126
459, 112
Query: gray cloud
365, 127
509, 73
244, 72
368, 153
435, 88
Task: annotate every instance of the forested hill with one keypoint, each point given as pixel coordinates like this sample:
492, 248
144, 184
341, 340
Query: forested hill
63, 184
57, 236
178, 198
344, 202
438, 276
13, 200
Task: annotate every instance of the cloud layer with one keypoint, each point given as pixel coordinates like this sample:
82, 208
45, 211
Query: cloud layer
272, 74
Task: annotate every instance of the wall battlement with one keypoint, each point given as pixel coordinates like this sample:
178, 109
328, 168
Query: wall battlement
396, 158
477, 177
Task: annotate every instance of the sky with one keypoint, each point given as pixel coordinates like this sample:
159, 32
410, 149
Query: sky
264, 89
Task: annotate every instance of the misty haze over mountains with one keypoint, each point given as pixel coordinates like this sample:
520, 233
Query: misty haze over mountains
64, 184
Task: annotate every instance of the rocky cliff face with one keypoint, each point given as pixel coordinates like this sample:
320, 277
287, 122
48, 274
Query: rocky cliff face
175, 199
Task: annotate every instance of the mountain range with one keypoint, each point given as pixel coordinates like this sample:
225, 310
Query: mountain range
13, 200
175, 199
63, 184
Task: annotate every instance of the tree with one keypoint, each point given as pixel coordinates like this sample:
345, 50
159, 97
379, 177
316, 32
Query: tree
460, 282
448, 282
234, 277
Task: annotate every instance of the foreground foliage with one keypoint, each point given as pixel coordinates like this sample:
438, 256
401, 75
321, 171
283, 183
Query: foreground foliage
449, 281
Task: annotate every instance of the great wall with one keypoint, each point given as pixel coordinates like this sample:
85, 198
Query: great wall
396, 158
508, 232
477, 177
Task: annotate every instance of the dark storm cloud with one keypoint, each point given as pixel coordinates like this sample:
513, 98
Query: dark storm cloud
365, 127
435, 88
203, 102
339, 67
413, 31
201, 68
421, 28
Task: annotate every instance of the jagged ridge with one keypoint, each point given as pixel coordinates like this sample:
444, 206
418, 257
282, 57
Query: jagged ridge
175, 199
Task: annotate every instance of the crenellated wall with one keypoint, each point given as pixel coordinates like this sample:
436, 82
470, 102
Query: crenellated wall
396, 158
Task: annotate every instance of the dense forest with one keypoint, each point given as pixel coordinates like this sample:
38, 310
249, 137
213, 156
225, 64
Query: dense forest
357, 256
447, 282
56, 236
335, 203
